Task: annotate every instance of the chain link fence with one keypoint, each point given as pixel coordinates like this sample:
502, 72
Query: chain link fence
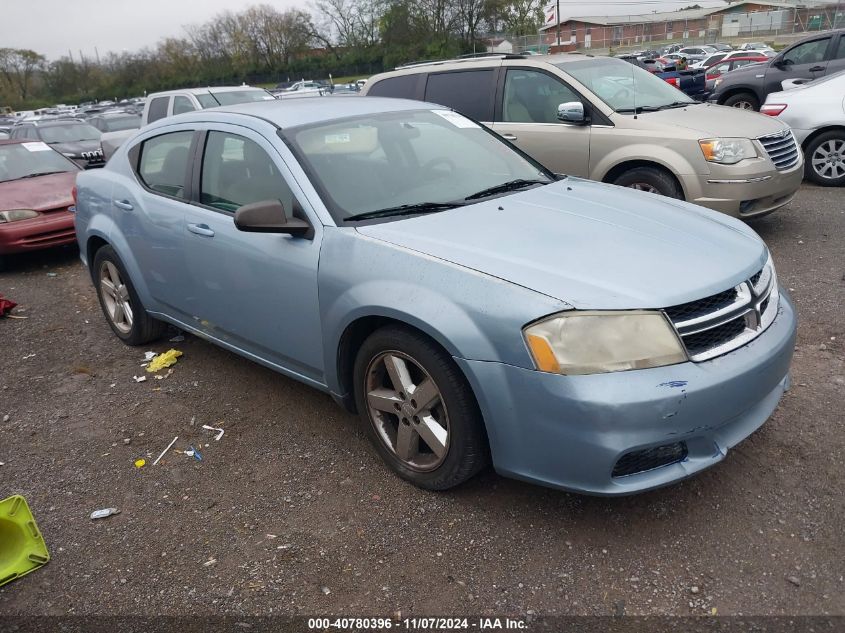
777, 28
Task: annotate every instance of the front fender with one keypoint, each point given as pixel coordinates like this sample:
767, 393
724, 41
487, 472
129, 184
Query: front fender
470, 314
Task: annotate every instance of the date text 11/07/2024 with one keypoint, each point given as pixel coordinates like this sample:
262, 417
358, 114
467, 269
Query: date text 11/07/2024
417, 624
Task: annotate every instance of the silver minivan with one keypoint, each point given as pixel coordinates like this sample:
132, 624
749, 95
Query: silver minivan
608, 120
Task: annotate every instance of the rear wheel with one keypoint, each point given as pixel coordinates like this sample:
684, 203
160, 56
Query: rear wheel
650, 179
743, 101
419, 409
120, 303
825, 159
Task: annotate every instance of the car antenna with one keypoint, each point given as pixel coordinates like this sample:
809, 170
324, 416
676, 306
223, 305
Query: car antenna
634, 88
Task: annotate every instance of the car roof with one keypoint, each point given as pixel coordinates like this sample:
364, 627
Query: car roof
201, 91
294, 112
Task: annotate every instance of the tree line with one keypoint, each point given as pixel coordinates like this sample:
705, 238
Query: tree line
263, 45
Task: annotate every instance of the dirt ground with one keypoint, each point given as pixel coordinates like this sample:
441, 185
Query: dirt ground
291, 512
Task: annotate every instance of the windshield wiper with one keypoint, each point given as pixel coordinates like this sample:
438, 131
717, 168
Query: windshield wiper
678, 104
404, 209
41, 173
512, 185
638, 109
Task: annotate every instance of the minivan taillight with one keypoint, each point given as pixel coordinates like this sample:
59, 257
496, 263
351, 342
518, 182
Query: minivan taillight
772, 109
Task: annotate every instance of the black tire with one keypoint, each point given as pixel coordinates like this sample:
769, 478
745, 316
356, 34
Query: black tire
143, 328
466, 446
744, 101
651, 179
835, 138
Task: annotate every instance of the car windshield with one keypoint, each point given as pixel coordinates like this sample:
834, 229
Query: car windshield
26, 160
118, 123
233, 97
417, 161
69, 133
624, 87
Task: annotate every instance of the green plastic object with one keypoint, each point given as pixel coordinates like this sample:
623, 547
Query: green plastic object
22, 548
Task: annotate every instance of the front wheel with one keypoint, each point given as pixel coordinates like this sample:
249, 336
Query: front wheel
650, 179
825, 159
419, 409
743, 101
120, 303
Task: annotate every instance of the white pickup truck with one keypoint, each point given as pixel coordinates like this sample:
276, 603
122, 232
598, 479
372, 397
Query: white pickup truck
163, 104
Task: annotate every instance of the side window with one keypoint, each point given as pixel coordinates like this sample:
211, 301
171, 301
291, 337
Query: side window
182, 104
236, 171
158, 109
720, 69
164, 162
16, 132
742, 62
840, 50
469, 92
403, 87
31, 132
533, 97
807, 53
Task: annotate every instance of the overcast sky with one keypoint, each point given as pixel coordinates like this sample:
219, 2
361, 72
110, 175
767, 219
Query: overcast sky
53, 27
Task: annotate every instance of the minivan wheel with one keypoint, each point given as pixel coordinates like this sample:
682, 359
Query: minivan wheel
120, 303
743, 101
650, 179
419, 409
825, 159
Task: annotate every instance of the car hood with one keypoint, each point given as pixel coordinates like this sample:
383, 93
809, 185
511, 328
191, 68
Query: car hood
589, 244
76, 147
711, 121
41, 193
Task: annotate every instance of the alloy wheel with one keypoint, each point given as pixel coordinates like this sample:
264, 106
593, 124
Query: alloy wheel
829, 159
407, 410
744, 105
115, 297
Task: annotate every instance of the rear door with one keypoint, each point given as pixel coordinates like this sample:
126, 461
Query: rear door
807, 60
526, 115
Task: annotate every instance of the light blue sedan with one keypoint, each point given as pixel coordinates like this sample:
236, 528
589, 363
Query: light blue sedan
470, 305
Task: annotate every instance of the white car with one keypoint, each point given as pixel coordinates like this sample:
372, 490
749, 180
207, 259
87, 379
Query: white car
816, 113
721, 56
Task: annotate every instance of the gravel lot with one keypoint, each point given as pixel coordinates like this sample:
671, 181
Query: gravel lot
293, 513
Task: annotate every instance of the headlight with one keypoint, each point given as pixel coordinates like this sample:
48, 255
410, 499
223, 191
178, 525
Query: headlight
17, 214
598, 342
727, 151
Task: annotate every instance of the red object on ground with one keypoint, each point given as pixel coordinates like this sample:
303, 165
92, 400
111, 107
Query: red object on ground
6, 305
50, 196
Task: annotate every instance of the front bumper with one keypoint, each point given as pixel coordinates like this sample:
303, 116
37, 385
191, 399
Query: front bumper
745, 191
49, 229
570, 431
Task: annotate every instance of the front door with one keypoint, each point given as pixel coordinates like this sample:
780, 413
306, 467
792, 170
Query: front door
528, 119
255, 291
804, 61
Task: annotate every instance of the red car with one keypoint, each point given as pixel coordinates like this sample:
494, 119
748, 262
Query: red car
36, 185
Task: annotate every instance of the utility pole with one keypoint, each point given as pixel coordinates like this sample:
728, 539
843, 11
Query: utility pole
557, 19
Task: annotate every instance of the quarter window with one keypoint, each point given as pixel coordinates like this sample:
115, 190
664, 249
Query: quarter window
182, 104
237, 171
158, 109
468, 92
534, 97
402, 87
164, 162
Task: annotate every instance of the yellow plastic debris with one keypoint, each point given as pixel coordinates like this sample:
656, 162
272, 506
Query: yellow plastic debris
22, 547
140, 463
166, 359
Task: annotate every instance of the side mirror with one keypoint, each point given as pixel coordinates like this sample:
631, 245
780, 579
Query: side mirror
269, 216
571, 112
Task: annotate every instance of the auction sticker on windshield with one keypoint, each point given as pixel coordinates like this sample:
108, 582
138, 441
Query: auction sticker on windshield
37, 146
455, 119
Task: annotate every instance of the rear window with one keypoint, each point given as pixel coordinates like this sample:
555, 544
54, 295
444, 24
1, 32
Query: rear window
402, 87
158, 109
468, 92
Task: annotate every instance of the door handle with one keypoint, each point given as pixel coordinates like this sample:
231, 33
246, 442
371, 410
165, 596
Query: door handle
123, 204
509, 137
201, 229
817, 69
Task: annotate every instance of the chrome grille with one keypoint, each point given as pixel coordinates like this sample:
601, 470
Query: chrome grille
782, 149
722, 322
